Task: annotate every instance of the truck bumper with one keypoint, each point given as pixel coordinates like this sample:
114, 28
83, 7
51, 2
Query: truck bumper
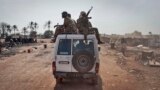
74, 75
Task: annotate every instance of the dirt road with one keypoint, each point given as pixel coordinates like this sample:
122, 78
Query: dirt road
32, 71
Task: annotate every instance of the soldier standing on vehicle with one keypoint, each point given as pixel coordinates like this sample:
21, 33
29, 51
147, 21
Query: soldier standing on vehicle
69, 25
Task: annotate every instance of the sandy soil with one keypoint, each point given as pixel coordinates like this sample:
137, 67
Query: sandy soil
32, 71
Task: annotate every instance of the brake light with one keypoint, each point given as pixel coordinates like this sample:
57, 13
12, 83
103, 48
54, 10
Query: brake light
97, 67
53, 67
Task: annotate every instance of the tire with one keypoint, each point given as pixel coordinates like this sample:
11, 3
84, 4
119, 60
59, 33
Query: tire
94, 81
83, 61
59, 80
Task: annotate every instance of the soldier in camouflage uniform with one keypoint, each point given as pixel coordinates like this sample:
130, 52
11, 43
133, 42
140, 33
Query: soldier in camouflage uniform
82, 24
69, 15
69, 24
59, 29
95, 30
85, 27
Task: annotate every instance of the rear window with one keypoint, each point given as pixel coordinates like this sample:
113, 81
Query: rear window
80, 45
64, 47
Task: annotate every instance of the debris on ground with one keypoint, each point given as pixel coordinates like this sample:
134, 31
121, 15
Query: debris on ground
121, 59
138, 73
8, 52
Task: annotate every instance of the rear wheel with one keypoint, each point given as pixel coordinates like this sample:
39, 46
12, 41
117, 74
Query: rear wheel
94, 81
59, 80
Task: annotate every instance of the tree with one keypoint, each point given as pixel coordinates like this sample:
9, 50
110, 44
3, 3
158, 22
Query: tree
31, 25
3, 27
35, 26
150, 33
48, 24
48, 34
33, 34
9, 29
15, 28
24, 30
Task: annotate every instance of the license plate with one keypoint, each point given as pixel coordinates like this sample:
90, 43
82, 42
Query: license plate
63, 62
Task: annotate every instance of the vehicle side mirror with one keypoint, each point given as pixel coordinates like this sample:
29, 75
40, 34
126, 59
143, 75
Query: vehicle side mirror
99, 48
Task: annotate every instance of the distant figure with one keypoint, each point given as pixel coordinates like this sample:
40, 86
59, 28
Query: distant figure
69, 24
124, 47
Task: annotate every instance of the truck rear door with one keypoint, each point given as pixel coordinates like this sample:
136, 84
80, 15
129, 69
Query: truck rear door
63, 57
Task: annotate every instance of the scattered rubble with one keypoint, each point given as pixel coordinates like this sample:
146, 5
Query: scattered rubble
121, 59
8, 52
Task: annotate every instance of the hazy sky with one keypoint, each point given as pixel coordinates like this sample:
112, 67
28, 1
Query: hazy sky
110, 16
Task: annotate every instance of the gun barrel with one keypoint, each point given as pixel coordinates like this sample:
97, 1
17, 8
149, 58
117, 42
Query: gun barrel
89, 11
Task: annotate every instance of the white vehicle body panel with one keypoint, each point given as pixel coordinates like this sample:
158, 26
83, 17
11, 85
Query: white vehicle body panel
68, 58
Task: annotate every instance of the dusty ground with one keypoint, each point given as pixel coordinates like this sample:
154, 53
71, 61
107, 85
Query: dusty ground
32, 71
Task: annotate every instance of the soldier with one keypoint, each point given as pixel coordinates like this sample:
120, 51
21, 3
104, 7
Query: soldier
69, 15
83, 24
95, 30
85, 27
69, 25
59, 30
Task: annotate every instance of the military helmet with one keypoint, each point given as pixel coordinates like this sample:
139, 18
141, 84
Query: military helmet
83, 13
69, 15
64, 14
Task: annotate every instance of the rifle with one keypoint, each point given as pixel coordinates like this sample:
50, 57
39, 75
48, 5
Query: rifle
57, 25
89, 11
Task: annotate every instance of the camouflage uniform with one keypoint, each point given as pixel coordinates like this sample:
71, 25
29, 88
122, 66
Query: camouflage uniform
59, 30
70, 25
95, 31
83, 26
